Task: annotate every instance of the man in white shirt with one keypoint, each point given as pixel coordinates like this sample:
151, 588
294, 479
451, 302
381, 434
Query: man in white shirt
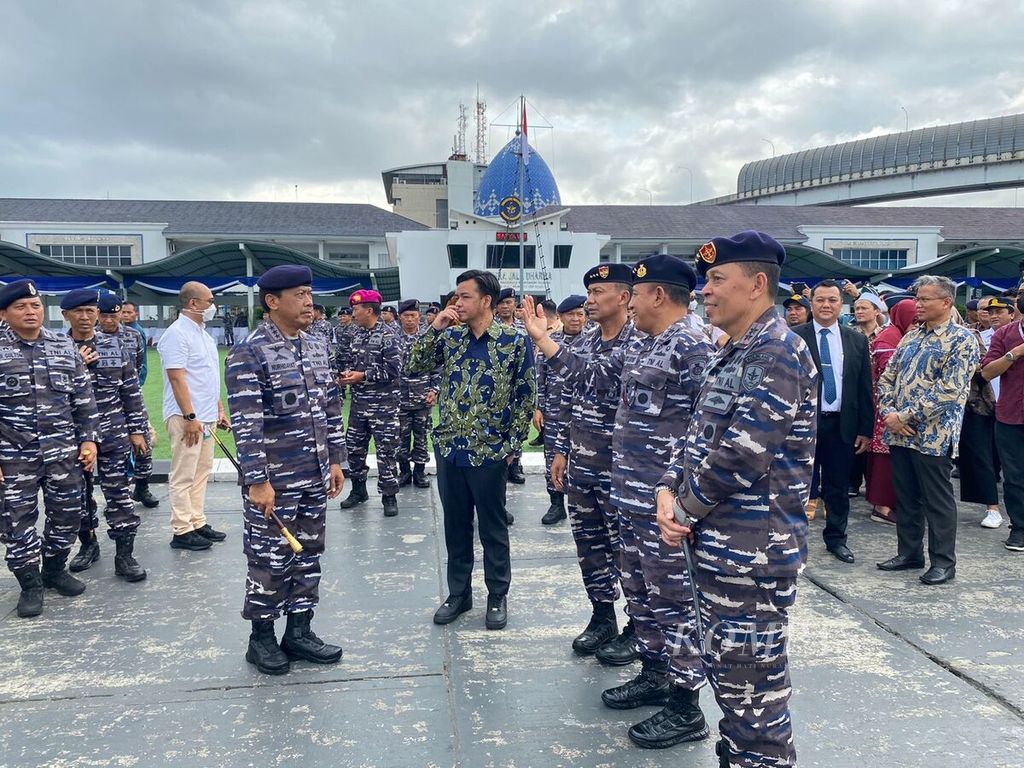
192, 408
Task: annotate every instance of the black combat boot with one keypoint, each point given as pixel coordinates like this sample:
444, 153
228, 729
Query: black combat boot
55, 577
125, 564
620, 650
556, 511
509, 518
390, 505
649, 687
263, 651
419, 476
681, 720
404, 473
88, 553
142, 494
30, 601
515, 472
300, 642
602, 628
356, 496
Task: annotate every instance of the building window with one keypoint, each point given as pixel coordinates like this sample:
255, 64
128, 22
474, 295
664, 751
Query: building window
458, 256
563, 253
882, 259
440, 213
507, 257
90, 255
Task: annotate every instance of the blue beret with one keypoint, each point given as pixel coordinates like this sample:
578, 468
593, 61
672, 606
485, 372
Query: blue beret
507, 293
746, 246
664, 268
797, 299
285, 276
435, 306
569, 303
80, 297
17, 289
388, 308
109, 302
409, 305
345, 311
895, 298
972, 305
608, 273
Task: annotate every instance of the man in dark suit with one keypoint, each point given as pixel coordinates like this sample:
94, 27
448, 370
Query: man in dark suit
845, 407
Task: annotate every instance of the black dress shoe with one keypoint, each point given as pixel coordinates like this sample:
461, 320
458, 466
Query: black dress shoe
901, 563
841, 552
209, 533
938, 575
497, 612
452, 608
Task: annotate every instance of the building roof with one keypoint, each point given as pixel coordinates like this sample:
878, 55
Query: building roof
992, 139
702, 222
220, 265
217, 218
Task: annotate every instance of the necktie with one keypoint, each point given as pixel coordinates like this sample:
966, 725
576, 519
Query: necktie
828, 379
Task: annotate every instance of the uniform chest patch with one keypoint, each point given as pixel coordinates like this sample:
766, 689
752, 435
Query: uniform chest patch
278, 358
754, 370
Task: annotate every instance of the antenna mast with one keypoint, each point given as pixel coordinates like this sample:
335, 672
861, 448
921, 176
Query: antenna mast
480, 154
460, 138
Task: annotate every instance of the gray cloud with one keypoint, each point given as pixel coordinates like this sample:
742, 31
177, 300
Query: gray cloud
218, 99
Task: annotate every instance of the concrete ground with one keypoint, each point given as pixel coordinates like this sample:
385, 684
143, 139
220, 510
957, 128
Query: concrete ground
886, 672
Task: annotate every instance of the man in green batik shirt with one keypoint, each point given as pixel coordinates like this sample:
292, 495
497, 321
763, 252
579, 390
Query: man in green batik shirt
487, 396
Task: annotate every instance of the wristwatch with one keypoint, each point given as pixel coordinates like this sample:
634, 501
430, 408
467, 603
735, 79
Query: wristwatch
190, 416
1010, 356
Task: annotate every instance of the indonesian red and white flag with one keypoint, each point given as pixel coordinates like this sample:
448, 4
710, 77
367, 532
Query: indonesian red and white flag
524, 139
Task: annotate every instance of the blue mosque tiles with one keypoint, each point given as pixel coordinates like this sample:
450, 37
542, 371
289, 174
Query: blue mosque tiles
501, 180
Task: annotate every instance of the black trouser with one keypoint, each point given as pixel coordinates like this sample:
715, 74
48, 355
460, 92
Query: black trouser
1010, 444
924, 491
834, 460
462, 489
978, 481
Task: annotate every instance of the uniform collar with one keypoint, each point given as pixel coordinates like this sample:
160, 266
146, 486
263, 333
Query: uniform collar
766, 320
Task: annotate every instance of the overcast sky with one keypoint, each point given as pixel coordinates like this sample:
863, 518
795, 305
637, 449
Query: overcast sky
245, 100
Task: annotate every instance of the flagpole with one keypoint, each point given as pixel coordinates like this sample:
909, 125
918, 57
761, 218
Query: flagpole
522, 195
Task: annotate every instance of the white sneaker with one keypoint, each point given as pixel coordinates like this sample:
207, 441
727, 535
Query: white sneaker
992, 520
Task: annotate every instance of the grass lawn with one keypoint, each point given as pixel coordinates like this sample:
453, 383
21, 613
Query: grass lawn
154, 396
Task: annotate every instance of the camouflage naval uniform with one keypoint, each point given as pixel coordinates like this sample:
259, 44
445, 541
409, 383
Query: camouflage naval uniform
743, 477
286, 417
47, 410
374, 410
122, 412
325, 330
585, 424
550, 386
414, 413
659, 378
135, 344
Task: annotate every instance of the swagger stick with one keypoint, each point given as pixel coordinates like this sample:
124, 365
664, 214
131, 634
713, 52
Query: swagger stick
294, 543
699, 622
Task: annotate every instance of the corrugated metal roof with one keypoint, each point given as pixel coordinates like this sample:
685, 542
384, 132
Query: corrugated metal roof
995, 138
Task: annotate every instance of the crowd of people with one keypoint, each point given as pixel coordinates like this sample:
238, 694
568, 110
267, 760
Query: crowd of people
688, 456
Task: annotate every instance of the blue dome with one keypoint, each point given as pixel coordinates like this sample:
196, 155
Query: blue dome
501, 180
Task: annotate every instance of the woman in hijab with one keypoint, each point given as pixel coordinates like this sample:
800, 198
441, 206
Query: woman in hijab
880, 491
